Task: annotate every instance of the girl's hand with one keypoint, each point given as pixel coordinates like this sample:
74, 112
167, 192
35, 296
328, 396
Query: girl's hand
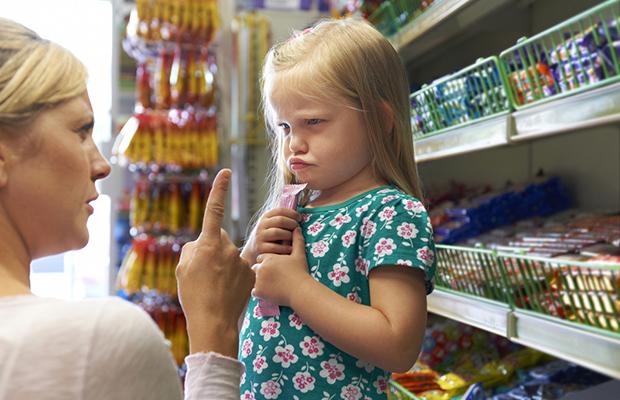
278, 277
274, 232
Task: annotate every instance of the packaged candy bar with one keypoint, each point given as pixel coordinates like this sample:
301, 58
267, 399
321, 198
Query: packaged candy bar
289, 199
537, 82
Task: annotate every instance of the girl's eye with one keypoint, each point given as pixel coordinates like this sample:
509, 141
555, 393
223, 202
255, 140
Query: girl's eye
285, 128
314, 121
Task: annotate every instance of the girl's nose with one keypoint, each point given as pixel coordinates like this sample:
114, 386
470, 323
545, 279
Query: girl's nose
296, 144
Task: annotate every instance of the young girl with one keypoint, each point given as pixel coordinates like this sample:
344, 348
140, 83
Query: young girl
351, 269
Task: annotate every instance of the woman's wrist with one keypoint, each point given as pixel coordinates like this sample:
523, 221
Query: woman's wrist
212, 335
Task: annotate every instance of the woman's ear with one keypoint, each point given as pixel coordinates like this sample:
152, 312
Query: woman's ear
4, 154
388, 117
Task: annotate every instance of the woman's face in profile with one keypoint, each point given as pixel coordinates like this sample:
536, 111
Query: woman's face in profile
51, 180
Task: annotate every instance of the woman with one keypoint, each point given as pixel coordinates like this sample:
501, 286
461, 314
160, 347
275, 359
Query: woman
97, 348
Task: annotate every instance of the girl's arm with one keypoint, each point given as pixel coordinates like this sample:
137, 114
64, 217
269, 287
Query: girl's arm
387, 334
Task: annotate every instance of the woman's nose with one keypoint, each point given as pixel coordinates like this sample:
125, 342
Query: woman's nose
100, 166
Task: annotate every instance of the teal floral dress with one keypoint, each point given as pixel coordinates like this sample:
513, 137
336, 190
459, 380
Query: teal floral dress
283, 357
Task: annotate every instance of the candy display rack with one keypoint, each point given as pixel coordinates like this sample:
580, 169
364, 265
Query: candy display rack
577, 55
467, 109
170, 145
561, 80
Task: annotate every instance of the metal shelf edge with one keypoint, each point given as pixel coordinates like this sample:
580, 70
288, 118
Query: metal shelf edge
427, 21
483, 135
492, 317
588, 109
597, 352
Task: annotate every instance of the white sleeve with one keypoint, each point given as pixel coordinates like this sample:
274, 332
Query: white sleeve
129, 357
212, 376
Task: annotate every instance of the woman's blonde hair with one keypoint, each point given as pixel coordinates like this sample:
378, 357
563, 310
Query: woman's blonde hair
34, 73
347, 61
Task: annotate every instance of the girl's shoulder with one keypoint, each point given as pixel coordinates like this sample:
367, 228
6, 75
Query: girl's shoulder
394, 197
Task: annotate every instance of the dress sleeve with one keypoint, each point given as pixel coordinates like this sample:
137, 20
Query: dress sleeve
129, 358
212, 376
398, 232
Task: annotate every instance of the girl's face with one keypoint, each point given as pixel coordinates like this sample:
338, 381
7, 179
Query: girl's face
324, 145
49, 186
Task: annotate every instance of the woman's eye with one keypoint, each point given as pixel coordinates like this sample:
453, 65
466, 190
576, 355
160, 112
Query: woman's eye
86, 130
84, 133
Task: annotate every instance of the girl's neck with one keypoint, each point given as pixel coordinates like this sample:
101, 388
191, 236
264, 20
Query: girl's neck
346, 191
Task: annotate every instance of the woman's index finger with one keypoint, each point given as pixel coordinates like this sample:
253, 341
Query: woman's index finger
216, 206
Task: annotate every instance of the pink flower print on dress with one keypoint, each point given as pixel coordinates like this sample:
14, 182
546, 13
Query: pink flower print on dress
246, 349
340, 220
246, 323
285, 356
414, 206
349, 238
257, 312
426, 255
339, 274
303, 381
350, 392
319, 248
247, 395
305, 217
315, 228
385, 247
407, 230
363, 364
269, 329
387, 214
405, 263
380, 385
387, 199
353, 296
368, 228
270, 389
259, 364
295, 321
362, 209
243, 378
312, 347
361, 265
332, 371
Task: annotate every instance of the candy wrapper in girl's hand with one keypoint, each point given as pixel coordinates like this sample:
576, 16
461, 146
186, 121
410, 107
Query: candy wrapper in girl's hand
289, 199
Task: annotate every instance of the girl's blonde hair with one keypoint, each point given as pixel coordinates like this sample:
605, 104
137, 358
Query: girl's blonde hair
347, 61
34, 73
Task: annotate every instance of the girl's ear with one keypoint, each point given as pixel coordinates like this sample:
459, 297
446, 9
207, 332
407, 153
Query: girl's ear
388, 118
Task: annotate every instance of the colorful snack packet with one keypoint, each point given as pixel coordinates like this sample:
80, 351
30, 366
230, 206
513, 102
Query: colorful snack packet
289, 199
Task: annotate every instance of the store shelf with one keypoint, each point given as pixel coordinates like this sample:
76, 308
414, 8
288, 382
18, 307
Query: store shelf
585, 110
434, 28
589, 109
484, 314
597, 351
485, 134
591, 348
